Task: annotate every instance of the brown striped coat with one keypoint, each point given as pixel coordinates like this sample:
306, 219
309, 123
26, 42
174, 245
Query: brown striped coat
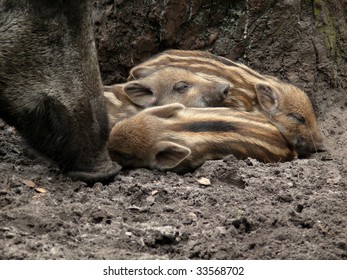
173, 137
172, 84
284, 105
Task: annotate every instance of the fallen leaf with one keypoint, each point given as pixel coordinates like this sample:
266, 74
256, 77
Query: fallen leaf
29, 183
40, 190
39, 196
154, 192
4, 191
204, 181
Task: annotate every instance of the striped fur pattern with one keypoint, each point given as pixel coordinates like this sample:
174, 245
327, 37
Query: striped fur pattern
285, 105
174, 84
180, 139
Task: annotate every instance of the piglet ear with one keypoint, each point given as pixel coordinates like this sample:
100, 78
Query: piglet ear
140, 72
166, 155
267, 97
116, 92
140, 93
166, 111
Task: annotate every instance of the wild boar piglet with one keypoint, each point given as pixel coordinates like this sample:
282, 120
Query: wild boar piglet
172, 84
173, 137
285, 105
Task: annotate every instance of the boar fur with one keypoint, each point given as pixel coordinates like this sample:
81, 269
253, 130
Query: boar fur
50, 86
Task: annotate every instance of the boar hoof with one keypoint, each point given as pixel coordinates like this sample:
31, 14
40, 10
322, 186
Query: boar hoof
99, 174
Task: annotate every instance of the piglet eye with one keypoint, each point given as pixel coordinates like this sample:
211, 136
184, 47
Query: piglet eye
298, 118
181, 87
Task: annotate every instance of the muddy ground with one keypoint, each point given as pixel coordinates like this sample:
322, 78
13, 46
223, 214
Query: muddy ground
246, 209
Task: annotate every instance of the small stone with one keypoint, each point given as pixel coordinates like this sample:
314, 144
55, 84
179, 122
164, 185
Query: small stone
335, 180
204, 181
150, 200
